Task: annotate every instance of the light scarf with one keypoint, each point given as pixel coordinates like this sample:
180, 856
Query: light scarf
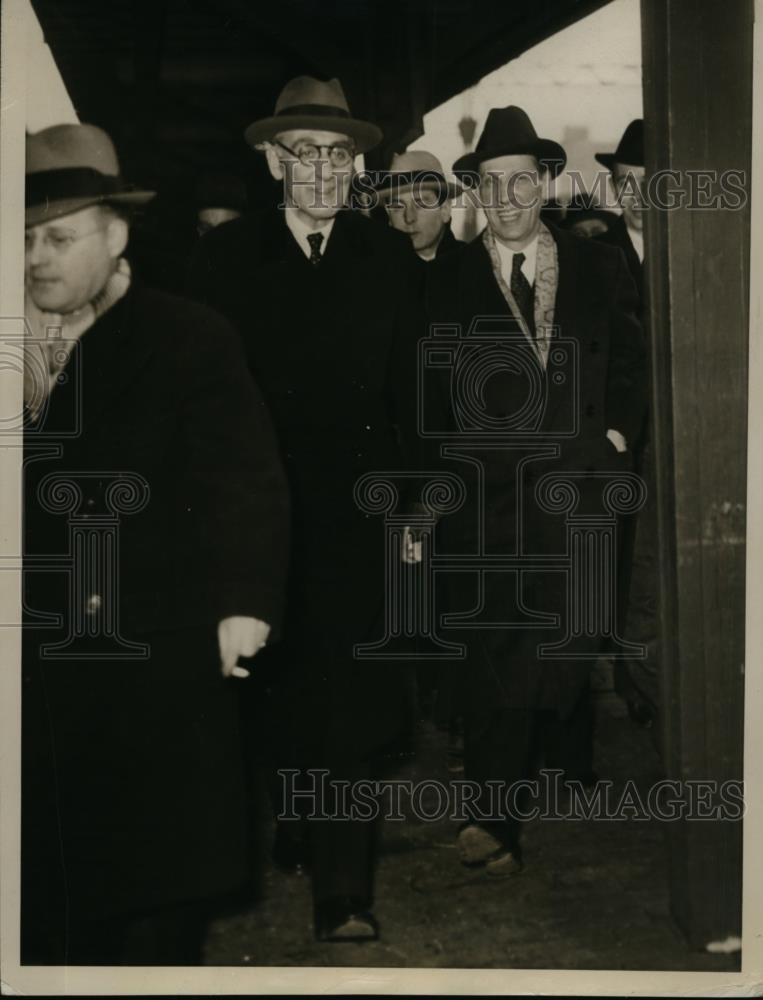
49, 338
546, 283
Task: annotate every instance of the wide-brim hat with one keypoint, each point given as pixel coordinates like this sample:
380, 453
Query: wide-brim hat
417, 170
318, 104
509, 132
69, 167
630, 149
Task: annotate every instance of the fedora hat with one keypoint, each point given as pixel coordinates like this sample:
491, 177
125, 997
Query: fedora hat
416, 168
69, 167
629, 150
509, 132
309, 103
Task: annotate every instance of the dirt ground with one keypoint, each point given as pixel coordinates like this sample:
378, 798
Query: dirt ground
593, 894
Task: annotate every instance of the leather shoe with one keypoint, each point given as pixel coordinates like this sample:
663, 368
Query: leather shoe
478, 847
345, 919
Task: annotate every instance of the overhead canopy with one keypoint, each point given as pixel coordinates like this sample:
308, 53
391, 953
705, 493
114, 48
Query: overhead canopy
176, 81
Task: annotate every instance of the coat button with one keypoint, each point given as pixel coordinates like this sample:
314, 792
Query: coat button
93, 604
590, 410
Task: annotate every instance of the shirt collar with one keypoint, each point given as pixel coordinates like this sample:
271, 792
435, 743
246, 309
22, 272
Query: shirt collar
506, 255
300, 231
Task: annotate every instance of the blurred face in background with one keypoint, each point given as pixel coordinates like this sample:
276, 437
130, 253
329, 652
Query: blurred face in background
68, 260
629, 187
316, 168
512, 192
419, 214
208, 218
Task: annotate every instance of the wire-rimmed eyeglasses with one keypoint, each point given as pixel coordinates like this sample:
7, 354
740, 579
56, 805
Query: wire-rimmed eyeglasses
340, 154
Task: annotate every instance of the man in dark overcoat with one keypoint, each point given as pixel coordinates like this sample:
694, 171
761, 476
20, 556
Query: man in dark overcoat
545, 378
324, 301
636, 679
156, 537
626, 165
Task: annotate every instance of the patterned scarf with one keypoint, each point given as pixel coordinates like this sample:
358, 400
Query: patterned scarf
50, 337
546, 282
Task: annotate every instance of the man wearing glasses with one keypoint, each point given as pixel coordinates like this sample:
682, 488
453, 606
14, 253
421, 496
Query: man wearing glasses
560, 391
151, 464
324, 300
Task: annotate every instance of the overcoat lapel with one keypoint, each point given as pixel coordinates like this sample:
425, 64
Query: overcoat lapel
106, 360
570, 294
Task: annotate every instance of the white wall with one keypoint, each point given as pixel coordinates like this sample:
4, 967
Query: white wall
581, 87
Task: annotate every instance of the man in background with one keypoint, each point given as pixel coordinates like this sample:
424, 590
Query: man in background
218, 198
417, 198
637, 680
626, 165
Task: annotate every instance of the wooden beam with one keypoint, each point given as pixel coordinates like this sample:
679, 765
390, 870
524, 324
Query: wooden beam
698, 114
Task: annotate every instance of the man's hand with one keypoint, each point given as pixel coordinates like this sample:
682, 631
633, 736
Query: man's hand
411, 547
240, 636
617, 439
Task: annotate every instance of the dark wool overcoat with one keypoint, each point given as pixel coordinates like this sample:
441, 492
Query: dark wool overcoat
557, 422
133, 792
333, 349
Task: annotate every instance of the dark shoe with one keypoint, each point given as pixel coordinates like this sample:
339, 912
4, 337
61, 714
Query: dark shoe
291, 848
345, 919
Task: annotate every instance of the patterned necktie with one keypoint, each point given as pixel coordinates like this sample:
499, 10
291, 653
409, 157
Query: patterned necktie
315, 240
522, 291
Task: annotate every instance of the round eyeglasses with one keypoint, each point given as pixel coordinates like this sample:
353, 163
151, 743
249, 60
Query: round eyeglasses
339, 154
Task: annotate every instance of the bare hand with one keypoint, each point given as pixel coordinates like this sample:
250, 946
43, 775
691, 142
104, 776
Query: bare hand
411, 548
240, 636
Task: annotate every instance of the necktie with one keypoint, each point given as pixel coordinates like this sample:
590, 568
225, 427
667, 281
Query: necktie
315, 240
522, 291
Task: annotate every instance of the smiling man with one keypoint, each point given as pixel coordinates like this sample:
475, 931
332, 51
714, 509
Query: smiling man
558, 388
324, 300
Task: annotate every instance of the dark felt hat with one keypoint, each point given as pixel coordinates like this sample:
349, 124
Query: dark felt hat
630, 149
69, 167
509, 132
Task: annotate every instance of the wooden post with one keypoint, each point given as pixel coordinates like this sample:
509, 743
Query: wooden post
698, 114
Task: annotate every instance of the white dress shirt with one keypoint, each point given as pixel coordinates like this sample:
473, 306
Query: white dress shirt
300, 231
506, 255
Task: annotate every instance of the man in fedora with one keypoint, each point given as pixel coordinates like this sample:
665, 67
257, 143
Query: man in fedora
417, 198
636, 680
626, 166
142, 422
324, 301
548, 328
